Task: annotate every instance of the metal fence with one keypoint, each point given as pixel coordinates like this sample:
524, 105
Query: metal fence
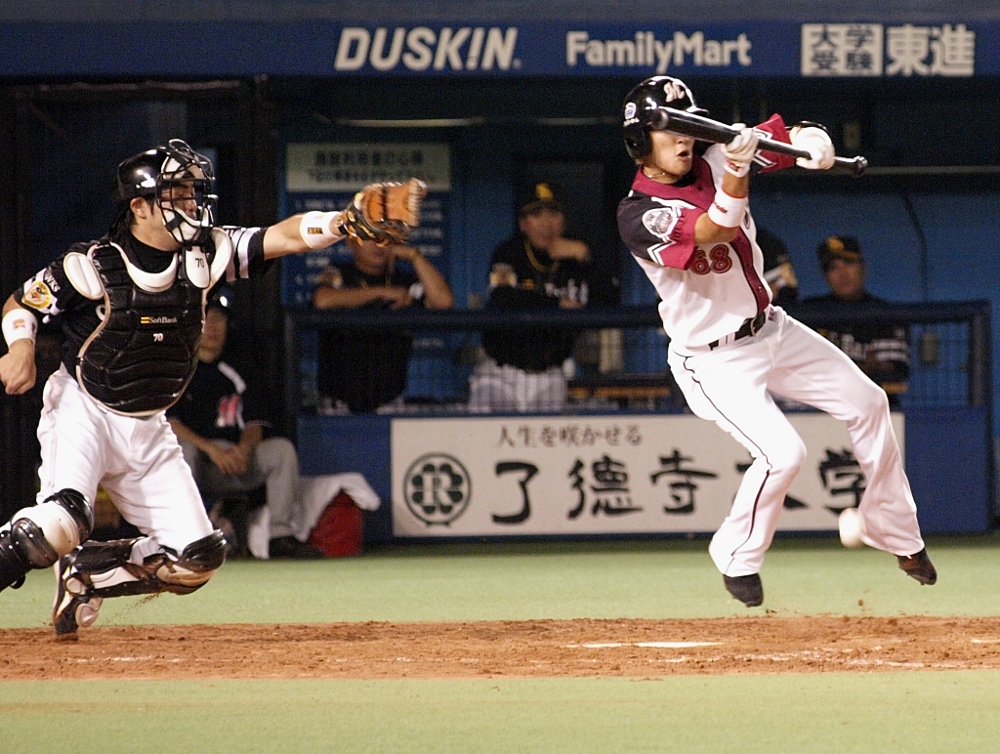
619, 360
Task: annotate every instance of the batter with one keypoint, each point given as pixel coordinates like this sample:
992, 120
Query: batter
687, 223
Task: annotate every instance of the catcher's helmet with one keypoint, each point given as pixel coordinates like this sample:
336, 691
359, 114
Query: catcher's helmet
646, 98
173, 175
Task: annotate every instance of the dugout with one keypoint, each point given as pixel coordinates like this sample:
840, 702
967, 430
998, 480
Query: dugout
246, 80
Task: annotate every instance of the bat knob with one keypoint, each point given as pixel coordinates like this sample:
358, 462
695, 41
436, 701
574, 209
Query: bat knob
658, 120
855, 166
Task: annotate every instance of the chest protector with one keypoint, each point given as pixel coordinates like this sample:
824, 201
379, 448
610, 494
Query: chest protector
143, 354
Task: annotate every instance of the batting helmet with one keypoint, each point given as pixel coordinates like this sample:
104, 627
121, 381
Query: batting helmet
645, 99
175, 176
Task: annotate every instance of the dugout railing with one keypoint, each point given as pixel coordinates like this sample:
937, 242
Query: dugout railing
619, 363
619, 366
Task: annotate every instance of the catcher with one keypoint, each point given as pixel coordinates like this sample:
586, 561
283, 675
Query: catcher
132, 308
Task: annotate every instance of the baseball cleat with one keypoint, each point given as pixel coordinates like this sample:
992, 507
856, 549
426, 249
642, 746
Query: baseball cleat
73, 607
919, 567
747, 589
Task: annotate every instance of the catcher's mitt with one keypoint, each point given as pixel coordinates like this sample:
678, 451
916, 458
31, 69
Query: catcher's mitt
384, 212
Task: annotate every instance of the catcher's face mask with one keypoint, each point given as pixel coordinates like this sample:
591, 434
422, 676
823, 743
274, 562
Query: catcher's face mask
182, 184
185, 193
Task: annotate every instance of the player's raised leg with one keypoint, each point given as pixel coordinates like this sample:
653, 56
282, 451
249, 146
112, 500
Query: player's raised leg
817, 373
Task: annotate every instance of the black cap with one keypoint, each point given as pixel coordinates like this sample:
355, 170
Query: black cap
538, 196
839, 247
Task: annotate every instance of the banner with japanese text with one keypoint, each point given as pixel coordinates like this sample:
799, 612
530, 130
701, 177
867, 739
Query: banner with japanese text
600, 475
325, 177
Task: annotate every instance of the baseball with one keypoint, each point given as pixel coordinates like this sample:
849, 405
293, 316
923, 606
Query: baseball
850, 528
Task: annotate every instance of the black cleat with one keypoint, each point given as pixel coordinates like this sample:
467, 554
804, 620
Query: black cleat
919, 567
74, 607
291, 548
747, 589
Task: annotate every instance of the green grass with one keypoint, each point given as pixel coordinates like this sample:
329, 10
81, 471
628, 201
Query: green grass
835, 712
881, 712
515, 581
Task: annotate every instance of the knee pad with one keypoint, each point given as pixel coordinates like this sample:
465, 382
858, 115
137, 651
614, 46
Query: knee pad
195, 565
39, 535
53, 528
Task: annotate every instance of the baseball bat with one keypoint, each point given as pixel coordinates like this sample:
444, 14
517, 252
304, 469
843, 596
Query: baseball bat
706, 129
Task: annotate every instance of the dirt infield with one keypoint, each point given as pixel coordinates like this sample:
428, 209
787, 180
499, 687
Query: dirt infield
547, 648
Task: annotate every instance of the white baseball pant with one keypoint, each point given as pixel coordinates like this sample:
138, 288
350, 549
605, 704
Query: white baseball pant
731, 386
495, 387
138, 461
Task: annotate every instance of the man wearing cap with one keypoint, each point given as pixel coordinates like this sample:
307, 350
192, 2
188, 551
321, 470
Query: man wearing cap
880, 349
365, 371
536, 268
219, 422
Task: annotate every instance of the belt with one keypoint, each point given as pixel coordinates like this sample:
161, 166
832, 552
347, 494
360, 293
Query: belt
749, 328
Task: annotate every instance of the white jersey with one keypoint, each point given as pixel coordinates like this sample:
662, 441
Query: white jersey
707, 291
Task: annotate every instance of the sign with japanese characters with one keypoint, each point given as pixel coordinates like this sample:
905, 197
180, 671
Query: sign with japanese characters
325, 176
600, 475
880, 50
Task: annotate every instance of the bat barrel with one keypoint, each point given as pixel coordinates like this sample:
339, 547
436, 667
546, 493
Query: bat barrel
693, 125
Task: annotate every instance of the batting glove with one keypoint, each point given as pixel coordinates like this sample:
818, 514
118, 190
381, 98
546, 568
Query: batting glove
815, 140
739, 153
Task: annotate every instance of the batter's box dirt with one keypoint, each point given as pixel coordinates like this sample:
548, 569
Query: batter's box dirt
546, 648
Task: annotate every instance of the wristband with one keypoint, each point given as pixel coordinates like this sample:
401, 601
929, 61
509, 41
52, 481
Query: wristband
19, 324
727, 211
315, 229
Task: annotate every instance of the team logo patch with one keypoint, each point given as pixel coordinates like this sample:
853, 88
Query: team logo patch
503, 274
661, 222
38, 295
629, 110
437, 489
162, 320
230, 407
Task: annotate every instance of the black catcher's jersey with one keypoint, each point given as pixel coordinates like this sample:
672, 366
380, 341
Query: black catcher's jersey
124, 369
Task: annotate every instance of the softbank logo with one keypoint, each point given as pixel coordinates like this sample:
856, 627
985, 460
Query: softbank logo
422, 48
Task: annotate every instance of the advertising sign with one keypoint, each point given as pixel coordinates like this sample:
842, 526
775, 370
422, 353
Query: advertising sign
600, 475
948, 46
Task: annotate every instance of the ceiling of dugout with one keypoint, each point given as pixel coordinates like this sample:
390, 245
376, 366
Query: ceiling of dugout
914, 11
